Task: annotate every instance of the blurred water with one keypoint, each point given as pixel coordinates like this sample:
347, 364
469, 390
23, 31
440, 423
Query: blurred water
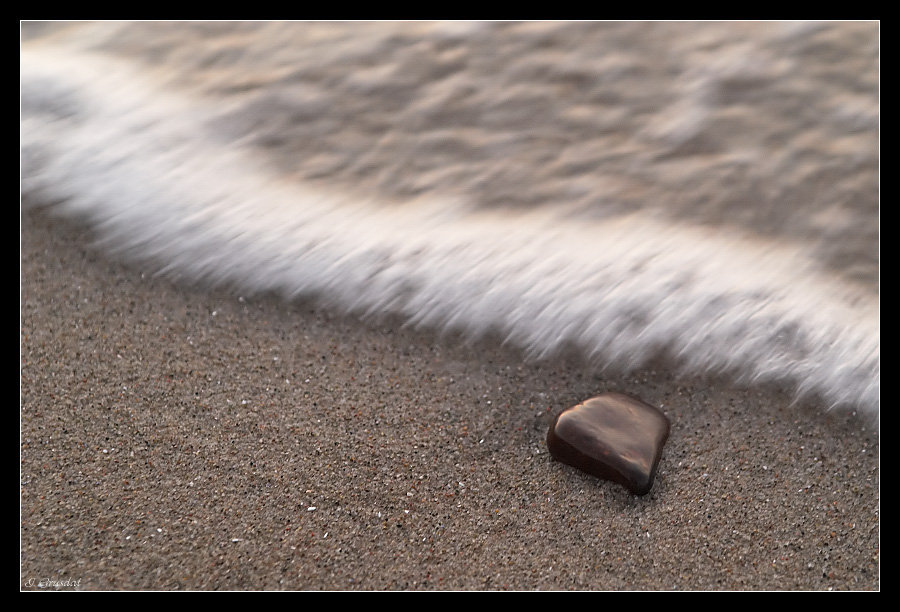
705, 191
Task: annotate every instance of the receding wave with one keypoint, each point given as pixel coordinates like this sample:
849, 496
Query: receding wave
106, 146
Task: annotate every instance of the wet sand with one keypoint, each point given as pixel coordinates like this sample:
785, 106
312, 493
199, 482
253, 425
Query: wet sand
178, 438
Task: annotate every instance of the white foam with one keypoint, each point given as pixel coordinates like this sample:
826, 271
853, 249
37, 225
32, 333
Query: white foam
112, 148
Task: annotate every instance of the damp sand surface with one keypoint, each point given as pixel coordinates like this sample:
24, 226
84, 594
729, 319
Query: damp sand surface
174, 438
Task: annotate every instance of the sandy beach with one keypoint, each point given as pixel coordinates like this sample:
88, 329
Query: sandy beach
703, 191
174, 438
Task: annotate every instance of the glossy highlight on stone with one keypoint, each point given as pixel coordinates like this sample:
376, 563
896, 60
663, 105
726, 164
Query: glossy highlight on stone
612, 436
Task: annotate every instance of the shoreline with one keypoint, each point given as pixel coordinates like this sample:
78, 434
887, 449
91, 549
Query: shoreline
174, 438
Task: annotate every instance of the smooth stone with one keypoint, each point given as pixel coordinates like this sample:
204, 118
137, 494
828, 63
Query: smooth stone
612, 436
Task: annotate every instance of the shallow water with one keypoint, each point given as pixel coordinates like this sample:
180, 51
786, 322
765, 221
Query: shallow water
708, 192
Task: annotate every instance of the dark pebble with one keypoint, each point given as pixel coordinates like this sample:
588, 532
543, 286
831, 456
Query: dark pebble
612, 436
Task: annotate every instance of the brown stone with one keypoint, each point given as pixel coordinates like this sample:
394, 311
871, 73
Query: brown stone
612, 436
